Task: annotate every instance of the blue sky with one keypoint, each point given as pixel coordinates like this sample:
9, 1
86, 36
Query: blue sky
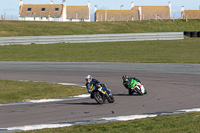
10, 8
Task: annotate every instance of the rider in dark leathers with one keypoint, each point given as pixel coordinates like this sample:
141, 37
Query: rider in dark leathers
125, 79
90, 83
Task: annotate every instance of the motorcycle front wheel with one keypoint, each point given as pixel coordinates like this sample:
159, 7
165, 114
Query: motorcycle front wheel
99, 97
138, 90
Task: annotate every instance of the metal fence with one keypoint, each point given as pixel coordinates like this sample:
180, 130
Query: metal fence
91, 38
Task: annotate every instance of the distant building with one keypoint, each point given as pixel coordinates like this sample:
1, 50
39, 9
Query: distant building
189, 14
136, 13
54, 12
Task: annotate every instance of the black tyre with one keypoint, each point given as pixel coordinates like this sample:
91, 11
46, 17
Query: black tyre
198, 34
111, 99
138, 91
193, 34
130, 91
187, 33
99, 97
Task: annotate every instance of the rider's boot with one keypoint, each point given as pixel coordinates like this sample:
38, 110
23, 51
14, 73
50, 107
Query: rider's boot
92, 96
109, 92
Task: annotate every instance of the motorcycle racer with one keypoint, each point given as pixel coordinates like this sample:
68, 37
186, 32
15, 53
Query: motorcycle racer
127, 83
90, 83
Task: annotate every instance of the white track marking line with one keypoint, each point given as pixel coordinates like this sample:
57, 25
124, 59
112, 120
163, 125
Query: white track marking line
106, 119
67, 124
28, 101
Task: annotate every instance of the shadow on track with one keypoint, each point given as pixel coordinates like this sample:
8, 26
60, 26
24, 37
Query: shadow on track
82, 103
125, 95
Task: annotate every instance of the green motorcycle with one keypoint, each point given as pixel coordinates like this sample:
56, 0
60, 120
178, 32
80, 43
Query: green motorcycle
135, 86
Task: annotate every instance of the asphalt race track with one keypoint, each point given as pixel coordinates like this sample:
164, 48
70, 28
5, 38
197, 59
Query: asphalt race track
170, 87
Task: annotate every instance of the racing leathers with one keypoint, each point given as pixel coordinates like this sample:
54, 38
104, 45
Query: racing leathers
95, 83
125, 82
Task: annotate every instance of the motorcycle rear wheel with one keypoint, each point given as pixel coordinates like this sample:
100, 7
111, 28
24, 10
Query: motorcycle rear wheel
130, 91
111, 99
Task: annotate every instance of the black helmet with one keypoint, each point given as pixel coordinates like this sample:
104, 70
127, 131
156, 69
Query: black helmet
124, 77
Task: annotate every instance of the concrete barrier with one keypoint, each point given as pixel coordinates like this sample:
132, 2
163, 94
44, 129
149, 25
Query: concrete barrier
91, 38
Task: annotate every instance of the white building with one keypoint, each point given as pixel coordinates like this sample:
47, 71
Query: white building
54, 12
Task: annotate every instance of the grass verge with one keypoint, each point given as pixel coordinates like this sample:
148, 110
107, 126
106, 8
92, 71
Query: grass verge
160, 51
17, 91
38, 28
178, 123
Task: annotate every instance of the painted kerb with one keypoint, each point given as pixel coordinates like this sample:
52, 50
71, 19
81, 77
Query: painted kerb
91, 38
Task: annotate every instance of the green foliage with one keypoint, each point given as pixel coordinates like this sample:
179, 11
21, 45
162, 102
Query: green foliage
17, 91
37, 28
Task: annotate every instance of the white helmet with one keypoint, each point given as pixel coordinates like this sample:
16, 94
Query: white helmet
88, 77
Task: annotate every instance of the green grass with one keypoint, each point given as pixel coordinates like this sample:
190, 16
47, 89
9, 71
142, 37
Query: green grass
171, 51
31, 28
178, 51
17, 91
178, 123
